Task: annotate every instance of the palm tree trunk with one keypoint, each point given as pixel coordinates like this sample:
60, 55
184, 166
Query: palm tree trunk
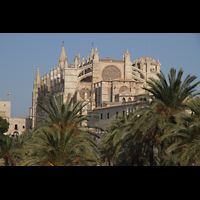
6, 161
162, 158
140, 162
162, 152
151, 154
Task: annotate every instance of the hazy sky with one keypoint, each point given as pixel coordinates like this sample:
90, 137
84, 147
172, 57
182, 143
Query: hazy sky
20, 53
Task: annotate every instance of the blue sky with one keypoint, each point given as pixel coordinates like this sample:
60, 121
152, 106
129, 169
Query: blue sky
20, 53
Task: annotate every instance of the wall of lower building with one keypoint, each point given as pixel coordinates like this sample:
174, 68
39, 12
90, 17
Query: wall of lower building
19, 125
105, 115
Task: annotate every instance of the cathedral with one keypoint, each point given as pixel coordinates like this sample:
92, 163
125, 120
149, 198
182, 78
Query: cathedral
108, 85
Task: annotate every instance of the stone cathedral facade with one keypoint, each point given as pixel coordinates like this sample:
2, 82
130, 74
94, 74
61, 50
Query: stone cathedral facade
108, 85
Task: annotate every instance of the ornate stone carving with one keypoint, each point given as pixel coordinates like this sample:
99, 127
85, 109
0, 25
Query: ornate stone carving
111, 72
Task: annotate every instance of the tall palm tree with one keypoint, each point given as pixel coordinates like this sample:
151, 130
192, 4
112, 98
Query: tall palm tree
186, 148
164, 100
61, 140
146, 131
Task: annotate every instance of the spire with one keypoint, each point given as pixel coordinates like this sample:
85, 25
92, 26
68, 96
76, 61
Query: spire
91, 53
127, 51
37, 76
127, 56
87, 59
96, 55
63, 54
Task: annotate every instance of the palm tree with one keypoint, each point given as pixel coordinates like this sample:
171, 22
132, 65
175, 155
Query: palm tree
65, 115
20, 144
164, 100
111, 138
123, 147
186, 148
9, 150
61, 140
140, 143
146, 131
61, 147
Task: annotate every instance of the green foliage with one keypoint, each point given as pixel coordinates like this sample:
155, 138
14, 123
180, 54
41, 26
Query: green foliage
186, 146
111, 138
9, 150
47, 148
135, 141
123, 145
4, 125
60, 141
164, 130
167, 99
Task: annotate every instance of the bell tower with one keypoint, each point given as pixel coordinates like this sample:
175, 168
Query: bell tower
70, 77
36, 85
127, 65
95, 65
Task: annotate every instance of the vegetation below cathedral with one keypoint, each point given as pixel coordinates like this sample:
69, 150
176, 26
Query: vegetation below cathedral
164, 130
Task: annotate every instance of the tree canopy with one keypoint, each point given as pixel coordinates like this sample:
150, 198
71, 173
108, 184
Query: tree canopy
163, 130
4, 125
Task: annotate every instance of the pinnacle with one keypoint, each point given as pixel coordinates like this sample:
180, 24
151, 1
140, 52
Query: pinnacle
63, 54
92, 51
37, 76
127, 50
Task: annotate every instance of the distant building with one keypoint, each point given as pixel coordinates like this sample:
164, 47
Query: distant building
17, 125
108, 85
5, 109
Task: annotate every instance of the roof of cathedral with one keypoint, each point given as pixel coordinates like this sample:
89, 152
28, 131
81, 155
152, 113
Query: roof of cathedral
110, 59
